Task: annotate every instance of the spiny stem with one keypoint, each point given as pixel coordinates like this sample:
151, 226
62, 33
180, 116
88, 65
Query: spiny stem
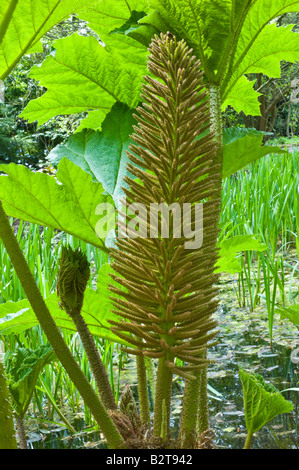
21, 432
203, 404
189, 415
96, 364
162, 398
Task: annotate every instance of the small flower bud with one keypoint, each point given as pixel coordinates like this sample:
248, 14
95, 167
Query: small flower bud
73, 277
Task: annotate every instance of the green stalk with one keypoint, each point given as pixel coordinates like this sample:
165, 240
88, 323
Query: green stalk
7, 432
162, 399
7, 18
96, 365
189, 415
143, 391
247, 444
203, 406
21, 432
54, 337
216, 120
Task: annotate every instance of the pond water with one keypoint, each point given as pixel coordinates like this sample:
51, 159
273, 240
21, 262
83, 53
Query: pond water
243, 342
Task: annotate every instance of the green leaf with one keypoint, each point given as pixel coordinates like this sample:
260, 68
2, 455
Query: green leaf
23, 367
148, 26
272, 45
228, 262
243, 97
101, 154
243, 146
290, 313
128, 49
23, 23
16, 317
233, 38
260, 14
108, 15
262, 401
84, 76
68, 206
205, 26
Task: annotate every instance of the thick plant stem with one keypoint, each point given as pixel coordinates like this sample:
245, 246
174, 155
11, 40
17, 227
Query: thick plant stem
203, 406
162, 399
143, 391
216, 120
47, 323
7, 431
96, 365
189, 415
21, 433
195, 411
247, 444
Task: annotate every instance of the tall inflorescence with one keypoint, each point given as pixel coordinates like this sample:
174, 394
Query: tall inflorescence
167, 293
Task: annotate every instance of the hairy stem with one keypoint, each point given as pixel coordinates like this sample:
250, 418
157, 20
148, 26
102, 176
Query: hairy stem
247, 444
162, 399
216, 120
97, 367
203, 406
143, 391
54, 337
7, 431
187, 433
195, 411
21, 433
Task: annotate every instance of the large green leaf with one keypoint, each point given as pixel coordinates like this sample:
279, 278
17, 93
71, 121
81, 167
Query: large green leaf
243, 146
272, 45
233, 38
84, 76
16, 317
101, 154
242, 97
23, 367
205, 26
260, 14
262, 401
24, 22
229, 248
108, 15
68, 204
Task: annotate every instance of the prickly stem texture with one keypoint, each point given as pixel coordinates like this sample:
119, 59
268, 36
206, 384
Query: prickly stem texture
7, 432
188, 426
143, 391
167, 286
21, 432
95, 362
